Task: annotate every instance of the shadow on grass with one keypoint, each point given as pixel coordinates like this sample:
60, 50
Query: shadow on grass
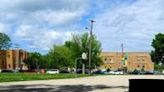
55, 88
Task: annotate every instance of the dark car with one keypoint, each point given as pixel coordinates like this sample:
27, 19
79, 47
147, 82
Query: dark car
80, 71
99, 72
135, 72
7, 71
64, 71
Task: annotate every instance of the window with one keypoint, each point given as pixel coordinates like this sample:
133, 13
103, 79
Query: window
138, 66
8, 56
105, 59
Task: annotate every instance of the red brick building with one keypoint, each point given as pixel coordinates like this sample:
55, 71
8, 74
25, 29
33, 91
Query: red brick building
133, 60
13, 59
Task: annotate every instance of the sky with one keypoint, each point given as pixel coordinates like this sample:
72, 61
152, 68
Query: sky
36, 25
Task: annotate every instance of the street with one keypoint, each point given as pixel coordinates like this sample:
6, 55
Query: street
104, 83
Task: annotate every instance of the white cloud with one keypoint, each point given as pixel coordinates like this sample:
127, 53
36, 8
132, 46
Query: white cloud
54, 12
3, 28
58, 17
42, 39
134, 25
39, 24
42, 23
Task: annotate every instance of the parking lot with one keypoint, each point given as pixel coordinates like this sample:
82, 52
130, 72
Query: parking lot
103, 83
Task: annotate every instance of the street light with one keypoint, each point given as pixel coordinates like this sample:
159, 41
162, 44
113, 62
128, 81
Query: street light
90, 46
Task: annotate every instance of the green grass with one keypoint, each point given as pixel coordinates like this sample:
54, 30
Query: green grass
9, 77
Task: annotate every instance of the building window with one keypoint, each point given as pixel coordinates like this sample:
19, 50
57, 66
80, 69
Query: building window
143, 66
105, 59
138, 66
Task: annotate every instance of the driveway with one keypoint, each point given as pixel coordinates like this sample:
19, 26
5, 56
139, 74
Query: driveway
104, 83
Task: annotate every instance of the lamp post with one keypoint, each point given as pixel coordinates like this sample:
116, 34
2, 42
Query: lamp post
90, 46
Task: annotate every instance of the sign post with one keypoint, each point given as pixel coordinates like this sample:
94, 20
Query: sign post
84, 57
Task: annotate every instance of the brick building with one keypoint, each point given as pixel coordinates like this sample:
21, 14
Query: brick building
129, 61
12, 59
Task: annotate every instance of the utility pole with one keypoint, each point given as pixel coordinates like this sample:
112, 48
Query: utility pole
122, 48
90, 46
123, 57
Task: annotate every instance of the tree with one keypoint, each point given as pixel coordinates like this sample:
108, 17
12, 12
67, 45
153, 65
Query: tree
60, 57
35, 61
157, 54
80, 44
5, 42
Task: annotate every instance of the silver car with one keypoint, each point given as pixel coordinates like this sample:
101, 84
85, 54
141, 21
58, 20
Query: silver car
53, 71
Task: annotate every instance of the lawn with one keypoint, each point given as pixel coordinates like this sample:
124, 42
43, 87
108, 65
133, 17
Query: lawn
9, 77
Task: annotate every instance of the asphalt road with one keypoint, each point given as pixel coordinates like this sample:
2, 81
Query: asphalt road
104, 83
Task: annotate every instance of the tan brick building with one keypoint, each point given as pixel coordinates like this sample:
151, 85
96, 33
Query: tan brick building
12, 59
132, 61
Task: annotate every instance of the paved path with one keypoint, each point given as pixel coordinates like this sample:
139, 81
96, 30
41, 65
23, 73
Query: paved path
105, 83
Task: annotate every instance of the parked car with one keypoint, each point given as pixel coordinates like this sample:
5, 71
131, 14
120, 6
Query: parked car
7, 71
53, 71
157, 72
149, 72
116, 72
111, 72
80, 71
135, 72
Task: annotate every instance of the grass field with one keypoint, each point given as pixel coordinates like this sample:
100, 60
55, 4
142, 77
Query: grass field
9, 77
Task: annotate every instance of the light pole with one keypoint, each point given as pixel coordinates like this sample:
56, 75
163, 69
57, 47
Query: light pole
90, 46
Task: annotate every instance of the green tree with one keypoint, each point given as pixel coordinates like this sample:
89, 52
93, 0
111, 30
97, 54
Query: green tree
158, 44
80, 44
59, 57
35, 61
5, 42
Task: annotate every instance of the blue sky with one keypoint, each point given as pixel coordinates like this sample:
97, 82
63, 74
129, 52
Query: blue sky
38, 24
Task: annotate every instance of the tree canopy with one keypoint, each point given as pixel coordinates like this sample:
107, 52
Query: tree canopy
59, 57
64, 56
5, 42
35, 61
158, 44
80, 44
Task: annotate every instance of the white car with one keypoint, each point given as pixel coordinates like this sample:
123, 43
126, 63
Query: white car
116, 72
119, 72
111, 72
53, 71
